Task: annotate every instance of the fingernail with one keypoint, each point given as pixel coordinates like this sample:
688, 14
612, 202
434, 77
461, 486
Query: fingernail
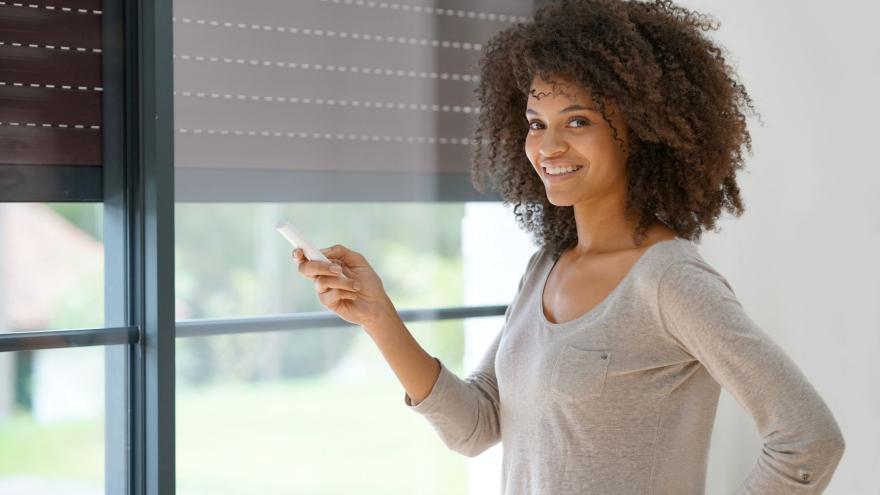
336, 269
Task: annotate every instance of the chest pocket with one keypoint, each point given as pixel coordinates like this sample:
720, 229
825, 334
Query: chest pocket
579, 373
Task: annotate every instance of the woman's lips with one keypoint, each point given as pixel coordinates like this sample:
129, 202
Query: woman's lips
562, 177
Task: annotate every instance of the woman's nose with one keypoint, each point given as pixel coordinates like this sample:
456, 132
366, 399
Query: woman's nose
552, 144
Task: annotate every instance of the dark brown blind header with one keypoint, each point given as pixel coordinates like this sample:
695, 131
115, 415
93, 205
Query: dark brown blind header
50, 85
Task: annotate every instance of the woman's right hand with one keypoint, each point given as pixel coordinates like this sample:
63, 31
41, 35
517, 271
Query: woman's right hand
356, 295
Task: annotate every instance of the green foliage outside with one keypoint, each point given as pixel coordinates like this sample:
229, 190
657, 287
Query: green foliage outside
296, 436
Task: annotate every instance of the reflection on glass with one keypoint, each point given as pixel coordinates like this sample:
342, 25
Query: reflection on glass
51, 266
52, 422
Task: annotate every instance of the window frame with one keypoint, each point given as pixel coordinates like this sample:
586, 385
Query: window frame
138, 192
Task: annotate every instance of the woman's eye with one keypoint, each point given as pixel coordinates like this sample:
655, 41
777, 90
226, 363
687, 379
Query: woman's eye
584, 123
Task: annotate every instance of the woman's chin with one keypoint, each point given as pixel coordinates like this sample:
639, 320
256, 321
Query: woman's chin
560, 199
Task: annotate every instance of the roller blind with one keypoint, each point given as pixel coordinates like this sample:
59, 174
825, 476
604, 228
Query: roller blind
329, 100
50, 100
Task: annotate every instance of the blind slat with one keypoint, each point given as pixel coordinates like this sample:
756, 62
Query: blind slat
330, 155
49, 106
49, 27
75, 5
39, 146
43, 66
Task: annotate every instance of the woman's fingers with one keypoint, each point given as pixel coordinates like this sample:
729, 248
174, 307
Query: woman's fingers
324, 283
312, 269
341, 292
349, 257
330, 283
331, 298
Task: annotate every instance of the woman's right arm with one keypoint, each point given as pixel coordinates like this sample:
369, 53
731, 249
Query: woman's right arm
369, 306
415, 368
464, 412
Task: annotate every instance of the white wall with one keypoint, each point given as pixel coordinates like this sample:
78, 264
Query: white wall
803, 258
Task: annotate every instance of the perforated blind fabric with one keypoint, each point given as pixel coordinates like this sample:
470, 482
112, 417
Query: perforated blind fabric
329, 100
50, 92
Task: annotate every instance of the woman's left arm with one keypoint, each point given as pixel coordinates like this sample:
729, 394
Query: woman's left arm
802, 442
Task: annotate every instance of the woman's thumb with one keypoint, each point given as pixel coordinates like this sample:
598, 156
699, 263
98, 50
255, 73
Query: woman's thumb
340, 252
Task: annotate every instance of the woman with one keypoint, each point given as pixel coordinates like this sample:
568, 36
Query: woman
618, 127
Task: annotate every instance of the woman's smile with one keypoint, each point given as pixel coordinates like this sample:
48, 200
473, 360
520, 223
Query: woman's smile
561, 177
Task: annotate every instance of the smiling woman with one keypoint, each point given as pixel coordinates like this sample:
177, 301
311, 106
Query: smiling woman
607, 372
659, 125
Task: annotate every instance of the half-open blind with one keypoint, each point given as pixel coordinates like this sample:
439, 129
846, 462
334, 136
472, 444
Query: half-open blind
50, 91
329, 100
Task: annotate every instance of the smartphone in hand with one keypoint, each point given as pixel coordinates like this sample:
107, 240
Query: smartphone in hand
298, 240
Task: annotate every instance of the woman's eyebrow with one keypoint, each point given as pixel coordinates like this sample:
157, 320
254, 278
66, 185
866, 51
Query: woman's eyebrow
569, 108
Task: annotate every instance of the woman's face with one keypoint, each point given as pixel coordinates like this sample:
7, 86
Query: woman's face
566, 128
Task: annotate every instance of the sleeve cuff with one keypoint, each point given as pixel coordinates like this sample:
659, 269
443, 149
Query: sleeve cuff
435, 395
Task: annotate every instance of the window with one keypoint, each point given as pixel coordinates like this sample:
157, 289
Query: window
352, 120
52, 260
300, 403
137, 171
52, 421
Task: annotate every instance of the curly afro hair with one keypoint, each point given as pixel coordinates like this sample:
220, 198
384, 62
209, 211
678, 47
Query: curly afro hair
674, 89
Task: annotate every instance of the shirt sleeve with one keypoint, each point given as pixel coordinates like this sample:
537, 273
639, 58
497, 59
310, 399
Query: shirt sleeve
465, 412
802, 441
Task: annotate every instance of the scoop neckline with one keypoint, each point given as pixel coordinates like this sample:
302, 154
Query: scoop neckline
597, 308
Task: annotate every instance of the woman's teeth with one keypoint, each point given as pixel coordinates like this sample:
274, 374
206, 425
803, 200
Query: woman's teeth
562, 170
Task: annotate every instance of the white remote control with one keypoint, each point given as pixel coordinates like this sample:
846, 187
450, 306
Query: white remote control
298, 240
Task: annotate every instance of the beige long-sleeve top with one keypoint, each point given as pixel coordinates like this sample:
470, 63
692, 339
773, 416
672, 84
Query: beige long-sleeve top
622, 399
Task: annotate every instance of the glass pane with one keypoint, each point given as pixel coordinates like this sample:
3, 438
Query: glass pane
298, 408
308, 112
230, 261
52, 421
51, 266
